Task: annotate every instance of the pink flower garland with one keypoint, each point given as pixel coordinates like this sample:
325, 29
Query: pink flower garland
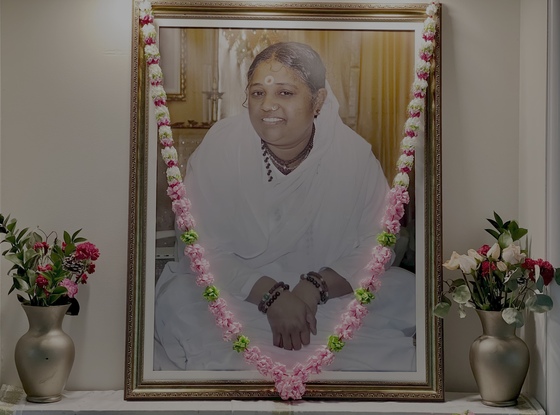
290, 384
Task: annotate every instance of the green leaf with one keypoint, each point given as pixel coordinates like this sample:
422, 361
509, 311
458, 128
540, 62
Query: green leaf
519, 233
442, 309
458, 282
461, 294
29, 255
14, 258
513, 316
80, 239
493, 233
22, 233
67, 238
494, 224
499, 220
540, 283
539, 303
76, 234
512, 284
11, 226
557, 276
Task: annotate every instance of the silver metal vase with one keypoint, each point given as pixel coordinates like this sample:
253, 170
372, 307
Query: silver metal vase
45, 354
499, 360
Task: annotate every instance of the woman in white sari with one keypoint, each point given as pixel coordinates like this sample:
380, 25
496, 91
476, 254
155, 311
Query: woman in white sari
288, 202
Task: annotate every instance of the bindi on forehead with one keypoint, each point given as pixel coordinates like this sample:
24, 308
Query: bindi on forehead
269, 80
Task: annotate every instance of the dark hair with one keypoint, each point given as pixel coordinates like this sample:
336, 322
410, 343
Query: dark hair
301, 58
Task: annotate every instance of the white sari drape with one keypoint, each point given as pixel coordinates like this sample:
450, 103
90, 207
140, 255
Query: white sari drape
326, 213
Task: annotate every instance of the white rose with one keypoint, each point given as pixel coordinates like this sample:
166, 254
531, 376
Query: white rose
453, 262
467, 264
473, 254
512, 254
502, 266
494, 252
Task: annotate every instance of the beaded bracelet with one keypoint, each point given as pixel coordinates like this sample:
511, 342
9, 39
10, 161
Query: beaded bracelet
318, 281
271, 296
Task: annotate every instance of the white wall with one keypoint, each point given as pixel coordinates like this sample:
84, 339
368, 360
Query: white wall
65, 136
553, 203
532, 168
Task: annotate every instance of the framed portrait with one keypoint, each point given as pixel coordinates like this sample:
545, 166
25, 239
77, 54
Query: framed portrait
256, 220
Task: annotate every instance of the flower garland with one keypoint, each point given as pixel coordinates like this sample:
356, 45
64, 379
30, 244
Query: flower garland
290, 384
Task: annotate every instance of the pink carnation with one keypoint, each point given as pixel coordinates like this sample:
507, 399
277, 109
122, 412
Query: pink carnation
232, 330
373, 283
176, 190
185, 222
180, 206
217, 306
194, 251
70, 285
291, 387
205, 279
200, 265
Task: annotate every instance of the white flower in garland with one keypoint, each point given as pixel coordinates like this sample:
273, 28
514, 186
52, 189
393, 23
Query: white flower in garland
423, 69
405, 161
408, 144
161, 112
165, 132
149, 30
155, 74
416, 107
169, 154
412, 124
145, 6
158, 93
432, 9
173, 174
152, 52
419, 87
401, 179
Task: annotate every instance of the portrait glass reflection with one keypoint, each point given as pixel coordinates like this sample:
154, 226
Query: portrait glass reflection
288, 141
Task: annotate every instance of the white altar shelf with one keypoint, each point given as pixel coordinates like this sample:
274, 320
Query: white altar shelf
112, 403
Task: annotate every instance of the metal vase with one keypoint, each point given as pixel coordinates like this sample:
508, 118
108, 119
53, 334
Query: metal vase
45, 354
499, 360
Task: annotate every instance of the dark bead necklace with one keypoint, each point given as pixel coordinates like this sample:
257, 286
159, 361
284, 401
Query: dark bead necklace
285, 166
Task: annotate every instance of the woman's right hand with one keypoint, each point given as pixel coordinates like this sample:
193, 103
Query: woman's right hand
291, 322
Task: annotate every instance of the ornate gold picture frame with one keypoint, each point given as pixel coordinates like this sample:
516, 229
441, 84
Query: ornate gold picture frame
358, 42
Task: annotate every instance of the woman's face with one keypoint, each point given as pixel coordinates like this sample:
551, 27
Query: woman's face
281, 106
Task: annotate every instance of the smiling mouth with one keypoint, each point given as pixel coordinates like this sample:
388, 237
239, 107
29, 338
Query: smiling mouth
272, 120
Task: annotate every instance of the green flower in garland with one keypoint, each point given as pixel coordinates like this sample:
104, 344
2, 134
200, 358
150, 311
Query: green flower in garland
241, 344
335, 344
363, 295
189, 237
211, 293
386, 239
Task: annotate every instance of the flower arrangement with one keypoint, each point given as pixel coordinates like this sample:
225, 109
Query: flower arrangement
501, 277
290, 384
45, 268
